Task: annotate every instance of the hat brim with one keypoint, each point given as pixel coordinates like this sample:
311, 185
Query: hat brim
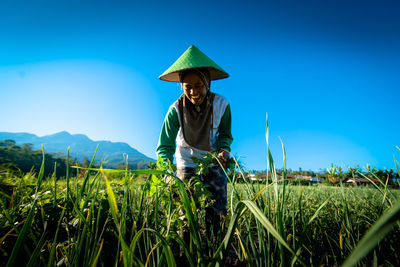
215, 74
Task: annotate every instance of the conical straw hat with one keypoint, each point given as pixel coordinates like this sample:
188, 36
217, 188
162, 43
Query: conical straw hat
191, 59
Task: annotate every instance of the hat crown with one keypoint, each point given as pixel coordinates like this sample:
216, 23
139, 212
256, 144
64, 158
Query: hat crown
190, 59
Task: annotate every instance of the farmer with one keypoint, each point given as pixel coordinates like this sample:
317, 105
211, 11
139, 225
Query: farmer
198, 122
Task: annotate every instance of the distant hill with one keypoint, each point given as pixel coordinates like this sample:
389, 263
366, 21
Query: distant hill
82, 147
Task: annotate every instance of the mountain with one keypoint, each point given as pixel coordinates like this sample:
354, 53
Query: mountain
82, 147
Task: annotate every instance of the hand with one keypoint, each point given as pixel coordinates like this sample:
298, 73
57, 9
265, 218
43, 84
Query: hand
223, 156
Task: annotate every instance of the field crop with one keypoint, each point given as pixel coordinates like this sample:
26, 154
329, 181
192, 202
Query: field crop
135, 218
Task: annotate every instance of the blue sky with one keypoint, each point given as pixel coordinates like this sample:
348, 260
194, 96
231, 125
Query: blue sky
326, 72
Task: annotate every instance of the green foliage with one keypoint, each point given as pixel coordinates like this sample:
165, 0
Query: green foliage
209, 159
143, 222
23, 159
151, 218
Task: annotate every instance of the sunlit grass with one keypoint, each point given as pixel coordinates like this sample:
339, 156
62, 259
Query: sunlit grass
134, 218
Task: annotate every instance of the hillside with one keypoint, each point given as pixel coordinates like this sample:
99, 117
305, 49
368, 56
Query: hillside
81, 147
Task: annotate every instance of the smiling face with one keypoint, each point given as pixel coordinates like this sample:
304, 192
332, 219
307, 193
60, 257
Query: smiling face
194, 88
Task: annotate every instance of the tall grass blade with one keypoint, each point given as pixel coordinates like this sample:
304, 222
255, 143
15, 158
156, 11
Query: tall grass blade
67, 176
111, 198
33, 260
376, 233
96, 259
193, 223
55, 186
86, 178
318, 211
241, 207
281, 211
266, 223
127, 255
27, 225
54, 244
166, 248
266, 138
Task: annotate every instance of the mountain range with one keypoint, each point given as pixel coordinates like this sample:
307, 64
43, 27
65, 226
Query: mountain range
81, 147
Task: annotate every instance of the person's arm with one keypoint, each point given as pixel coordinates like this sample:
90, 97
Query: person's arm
225, 138
166, 143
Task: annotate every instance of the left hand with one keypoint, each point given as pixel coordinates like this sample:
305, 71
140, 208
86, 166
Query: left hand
223, 156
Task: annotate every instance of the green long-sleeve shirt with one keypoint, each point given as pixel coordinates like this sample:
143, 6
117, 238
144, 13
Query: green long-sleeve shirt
171, 139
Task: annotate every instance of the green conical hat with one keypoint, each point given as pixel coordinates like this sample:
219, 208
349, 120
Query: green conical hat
191, 59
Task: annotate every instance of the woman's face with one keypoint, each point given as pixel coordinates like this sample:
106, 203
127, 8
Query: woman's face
194, 88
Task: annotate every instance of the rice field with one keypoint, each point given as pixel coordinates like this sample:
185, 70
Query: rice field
134, 218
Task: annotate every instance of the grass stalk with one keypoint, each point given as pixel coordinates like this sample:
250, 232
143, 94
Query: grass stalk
25, 229
377, 232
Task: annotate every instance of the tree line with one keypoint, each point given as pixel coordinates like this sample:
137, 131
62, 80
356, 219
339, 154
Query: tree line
15, 158
335, 174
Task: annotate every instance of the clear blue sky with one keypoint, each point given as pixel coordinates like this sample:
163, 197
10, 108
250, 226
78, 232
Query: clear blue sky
326, 72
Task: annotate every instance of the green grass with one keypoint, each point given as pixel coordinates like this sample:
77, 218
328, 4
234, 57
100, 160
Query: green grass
134, 218
122, 221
